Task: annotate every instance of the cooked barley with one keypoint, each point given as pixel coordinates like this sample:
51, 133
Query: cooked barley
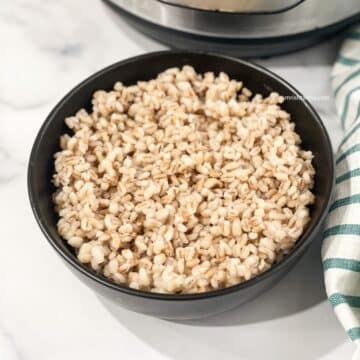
182, 184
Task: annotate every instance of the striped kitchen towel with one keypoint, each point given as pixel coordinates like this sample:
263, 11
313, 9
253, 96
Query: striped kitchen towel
341, 246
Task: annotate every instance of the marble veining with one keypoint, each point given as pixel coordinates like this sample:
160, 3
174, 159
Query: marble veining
10, 168
9, 350
45, 312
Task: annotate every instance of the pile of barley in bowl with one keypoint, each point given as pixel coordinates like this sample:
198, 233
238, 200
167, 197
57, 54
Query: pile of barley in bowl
182, 184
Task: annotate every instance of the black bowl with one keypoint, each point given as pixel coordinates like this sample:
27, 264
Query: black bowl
259, 80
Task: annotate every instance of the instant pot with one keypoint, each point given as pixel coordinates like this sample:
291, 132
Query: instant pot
239, 27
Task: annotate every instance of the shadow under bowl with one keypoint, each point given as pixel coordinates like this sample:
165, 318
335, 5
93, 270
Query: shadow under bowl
144, 67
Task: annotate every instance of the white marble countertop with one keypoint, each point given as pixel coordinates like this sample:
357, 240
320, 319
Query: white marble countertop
46, 313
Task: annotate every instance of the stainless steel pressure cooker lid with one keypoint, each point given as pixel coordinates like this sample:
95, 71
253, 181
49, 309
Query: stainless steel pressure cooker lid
237, 6
239, 34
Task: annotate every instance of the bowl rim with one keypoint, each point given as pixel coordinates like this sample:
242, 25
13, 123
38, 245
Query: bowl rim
299, 248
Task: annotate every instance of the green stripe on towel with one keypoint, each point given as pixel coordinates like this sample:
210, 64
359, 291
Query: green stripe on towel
350, 134
354, 199
354, 333
344, 229
338, 263
348, 175
337, 299
348, 152
345, 60
346, 104
354, 35
347, 79
358, 113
